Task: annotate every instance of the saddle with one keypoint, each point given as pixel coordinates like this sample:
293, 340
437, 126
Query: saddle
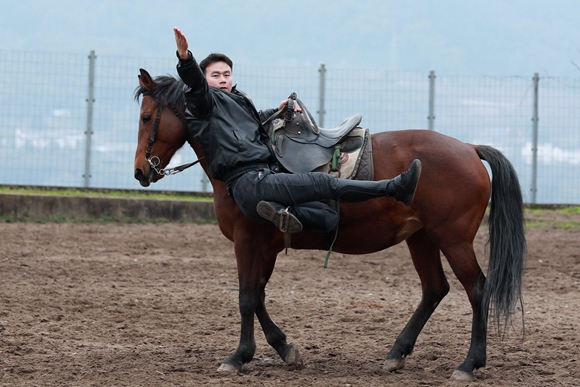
302, 146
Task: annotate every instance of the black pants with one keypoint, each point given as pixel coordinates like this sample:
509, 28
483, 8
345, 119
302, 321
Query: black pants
304, 193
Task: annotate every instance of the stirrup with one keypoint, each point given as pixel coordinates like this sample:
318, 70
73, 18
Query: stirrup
284, 219
280, 216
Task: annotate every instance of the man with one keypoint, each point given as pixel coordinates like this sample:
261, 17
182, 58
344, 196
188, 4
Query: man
238, 151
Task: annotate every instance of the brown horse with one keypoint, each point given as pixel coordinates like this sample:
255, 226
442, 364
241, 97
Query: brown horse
449, 205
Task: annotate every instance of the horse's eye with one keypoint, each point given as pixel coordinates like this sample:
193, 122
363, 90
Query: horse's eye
146, 119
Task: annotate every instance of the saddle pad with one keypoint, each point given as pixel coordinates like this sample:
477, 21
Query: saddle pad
356, 157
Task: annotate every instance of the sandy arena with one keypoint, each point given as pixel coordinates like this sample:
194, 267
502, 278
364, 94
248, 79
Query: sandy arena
115, 304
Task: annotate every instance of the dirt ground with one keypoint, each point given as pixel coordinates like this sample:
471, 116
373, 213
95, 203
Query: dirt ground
116, 304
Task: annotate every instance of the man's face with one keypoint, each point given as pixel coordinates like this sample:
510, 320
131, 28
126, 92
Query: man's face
219, 74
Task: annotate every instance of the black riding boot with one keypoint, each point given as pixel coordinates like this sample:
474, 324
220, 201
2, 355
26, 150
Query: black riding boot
402, 187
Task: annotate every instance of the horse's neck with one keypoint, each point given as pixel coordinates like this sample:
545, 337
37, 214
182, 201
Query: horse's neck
216, 184
224, 206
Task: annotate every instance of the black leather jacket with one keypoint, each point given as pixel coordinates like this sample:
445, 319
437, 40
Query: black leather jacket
226, 124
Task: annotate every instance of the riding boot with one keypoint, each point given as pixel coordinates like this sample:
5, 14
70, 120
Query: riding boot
279, 215
401, 188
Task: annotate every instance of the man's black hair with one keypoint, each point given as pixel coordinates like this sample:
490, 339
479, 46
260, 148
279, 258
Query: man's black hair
215, 57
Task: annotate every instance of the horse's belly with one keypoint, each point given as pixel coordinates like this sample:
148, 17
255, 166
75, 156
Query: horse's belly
409, 228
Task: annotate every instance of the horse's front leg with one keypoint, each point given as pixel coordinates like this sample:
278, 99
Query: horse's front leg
248, 302
274, 335
256, 262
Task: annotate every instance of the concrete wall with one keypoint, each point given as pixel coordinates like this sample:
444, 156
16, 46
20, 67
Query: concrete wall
50, 207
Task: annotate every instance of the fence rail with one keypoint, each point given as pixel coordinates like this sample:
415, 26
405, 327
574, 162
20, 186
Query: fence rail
71, 121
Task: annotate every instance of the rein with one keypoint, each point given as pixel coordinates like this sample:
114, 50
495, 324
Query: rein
292, 99
154, 161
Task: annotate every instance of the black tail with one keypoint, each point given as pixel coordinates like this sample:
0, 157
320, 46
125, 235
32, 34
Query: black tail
507, 241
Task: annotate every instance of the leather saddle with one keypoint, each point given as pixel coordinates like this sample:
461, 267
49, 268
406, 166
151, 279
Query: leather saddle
302, 146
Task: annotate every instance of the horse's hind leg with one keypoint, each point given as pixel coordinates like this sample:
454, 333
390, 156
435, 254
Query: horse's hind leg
464, 264
427, 260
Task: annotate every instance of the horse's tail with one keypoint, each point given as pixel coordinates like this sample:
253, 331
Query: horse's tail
507, 241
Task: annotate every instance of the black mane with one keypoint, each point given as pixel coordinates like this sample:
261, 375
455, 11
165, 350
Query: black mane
169, 89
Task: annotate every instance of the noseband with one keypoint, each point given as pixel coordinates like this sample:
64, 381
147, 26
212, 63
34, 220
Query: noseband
154, 161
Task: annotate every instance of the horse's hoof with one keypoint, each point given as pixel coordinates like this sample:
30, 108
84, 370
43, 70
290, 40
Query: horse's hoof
227, 368
394, 364
293, 356
461, 375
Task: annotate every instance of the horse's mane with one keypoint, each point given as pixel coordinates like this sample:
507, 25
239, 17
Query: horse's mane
169, 89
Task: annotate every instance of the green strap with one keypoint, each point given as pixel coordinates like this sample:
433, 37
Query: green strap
335, 163
336, 206
336, 157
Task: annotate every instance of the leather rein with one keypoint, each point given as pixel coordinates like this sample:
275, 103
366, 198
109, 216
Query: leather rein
154, 161
292, 99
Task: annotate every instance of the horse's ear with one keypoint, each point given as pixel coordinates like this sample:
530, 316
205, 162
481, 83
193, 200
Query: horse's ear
146, 81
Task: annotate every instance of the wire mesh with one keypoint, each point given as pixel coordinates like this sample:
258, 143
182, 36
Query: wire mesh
43, 106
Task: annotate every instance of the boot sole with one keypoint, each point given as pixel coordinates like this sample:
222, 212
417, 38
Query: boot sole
409, 200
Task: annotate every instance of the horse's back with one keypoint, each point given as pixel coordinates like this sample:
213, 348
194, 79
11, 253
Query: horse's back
402, 146
454, 182
446, 161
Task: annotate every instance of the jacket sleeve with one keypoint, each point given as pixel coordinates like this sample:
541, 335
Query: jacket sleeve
198, 96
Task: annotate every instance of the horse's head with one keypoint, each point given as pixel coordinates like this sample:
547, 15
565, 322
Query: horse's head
162, 126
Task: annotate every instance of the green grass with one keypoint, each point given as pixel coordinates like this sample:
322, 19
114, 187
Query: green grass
103, 193
89, 192
557, 208
549, 223
563, 217
102, 220
570, 210
540, 216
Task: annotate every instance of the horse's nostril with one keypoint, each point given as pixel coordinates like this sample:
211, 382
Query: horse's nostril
138, 174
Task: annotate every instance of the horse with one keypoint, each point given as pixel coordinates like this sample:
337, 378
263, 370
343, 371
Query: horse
452, 197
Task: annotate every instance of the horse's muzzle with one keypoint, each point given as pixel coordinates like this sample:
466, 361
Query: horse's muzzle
143, 179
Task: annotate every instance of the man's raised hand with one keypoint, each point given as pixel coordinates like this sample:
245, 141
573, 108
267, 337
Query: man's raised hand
181, 42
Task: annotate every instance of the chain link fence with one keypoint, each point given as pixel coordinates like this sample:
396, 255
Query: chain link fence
70, 120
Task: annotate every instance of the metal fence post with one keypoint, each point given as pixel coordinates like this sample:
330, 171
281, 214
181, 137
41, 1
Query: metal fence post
321, 111
535, 119
89, 131
431, 117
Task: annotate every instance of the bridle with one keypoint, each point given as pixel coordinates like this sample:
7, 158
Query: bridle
154, 161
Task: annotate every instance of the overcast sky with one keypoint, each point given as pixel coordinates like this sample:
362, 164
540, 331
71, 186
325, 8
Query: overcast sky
452, 37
